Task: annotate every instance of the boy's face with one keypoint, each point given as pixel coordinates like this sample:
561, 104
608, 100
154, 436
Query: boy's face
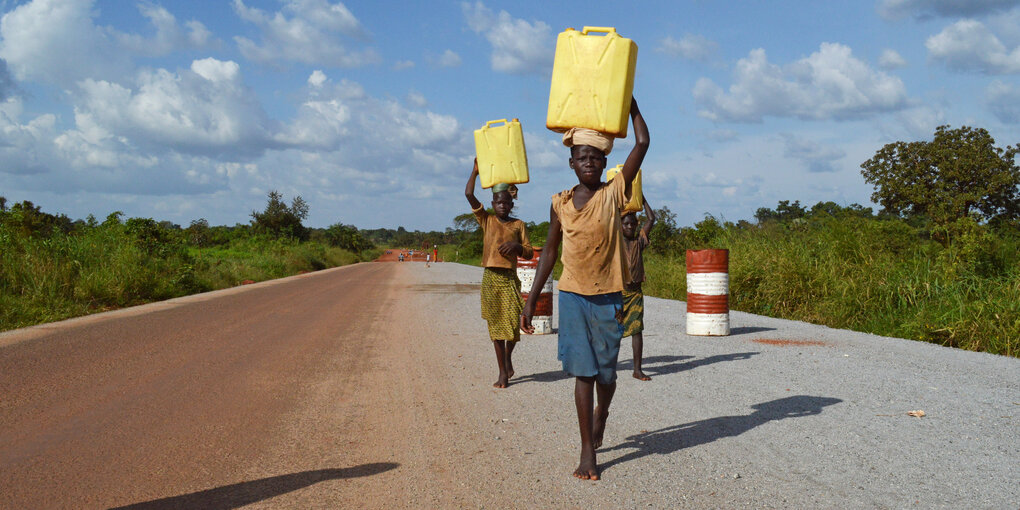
502, 203
629, 226
588, 163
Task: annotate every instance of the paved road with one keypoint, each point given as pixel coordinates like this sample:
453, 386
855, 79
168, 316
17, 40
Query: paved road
370, 386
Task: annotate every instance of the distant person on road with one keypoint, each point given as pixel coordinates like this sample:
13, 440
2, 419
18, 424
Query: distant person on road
503, 240
428, 259
586, 219
634, 244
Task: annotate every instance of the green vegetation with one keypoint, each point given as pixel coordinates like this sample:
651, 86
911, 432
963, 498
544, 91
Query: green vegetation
844, 268
52, 268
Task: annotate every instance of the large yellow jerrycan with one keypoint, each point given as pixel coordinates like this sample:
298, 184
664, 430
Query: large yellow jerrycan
636, 201
501, 154
592, 81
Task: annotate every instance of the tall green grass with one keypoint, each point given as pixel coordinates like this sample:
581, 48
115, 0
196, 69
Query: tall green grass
877, 276
48, 278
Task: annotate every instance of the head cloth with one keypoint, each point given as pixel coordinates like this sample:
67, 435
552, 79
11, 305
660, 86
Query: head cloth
585, 136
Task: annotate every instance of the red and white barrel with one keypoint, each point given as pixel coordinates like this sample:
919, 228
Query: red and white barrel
526, 271
708, 292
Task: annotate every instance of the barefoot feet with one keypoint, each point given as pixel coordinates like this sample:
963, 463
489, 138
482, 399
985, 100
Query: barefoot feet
502, 382
639, 375
587, 468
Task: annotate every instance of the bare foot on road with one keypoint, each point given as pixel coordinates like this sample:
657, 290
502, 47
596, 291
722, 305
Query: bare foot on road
639, 375
501, 382
587, 469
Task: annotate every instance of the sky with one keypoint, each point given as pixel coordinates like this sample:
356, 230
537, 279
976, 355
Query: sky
197, 109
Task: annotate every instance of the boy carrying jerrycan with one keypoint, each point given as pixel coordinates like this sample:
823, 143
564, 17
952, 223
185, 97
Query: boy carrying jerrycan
590, 72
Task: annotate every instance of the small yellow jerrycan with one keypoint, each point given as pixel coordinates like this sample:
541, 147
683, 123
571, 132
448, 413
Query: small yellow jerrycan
592, 81
636, 201
501, 154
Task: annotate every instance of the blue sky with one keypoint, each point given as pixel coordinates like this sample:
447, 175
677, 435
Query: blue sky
195, 109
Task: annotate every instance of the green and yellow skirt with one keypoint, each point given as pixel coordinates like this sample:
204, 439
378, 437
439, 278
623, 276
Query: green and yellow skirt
501, 303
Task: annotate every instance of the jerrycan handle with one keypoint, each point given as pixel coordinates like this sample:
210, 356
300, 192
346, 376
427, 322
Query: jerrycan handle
491, 122
608, 30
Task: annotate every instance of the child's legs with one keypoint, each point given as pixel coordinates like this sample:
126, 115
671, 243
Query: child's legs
606, 334
637, 342
574, 348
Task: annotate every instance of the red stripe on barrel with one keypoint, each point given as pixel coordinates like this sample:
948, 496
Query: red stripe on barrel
708, 261
700, 303
544, 304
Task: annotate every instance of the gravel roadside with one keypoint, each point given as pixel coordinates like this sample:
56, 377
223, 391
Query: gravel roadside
779, 414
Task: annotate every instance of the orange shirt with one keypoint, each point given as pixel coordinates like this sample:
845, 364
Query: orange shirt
495, 233
592, 251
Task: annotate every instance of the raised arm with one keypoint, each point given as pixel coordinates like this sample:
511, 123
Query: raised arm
646, 229
637, 154
469, 190
550, 253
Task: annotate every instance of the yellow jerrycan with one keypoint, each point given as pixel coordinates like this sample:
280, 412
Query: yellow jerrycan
592, 81
501, 154
636, 201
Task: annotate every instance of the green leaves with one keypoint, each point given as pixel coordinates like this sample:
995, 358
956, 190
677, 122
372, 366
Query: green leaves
958, 174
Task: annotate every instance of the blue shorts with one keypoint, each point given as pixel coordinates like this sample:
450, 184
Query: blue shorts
589, 335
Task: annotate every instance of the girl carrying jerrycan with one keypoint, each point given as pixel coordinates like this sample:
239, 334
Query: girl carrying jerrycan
504, 240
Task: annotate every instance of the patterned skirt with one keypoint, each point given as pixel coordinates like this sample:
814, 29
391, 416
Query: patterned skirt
633, 313
501, 303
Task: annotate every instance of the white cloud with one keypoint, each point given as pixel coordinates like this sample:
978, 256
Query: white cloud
400, 65
417, 99
206, 109
57, 41
922, 9
447, 59
309, 35
968, 45
891, 59
1003, 100
24, 148
690, 47
829, 84
817, 157
169, 35
317, 78
518, 47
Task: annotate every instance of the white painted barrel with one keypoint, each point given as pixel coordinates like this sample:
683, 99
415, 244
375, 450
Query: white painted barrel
708, 291
526, 272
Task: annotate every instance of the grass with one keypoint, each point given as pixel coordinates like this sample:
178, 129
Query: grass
102, 268
866, 275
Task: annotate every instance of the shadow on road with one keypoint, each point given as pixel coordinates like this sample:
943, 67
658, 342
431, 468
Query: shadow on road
246, 493
673, 439
651, 365
744, 330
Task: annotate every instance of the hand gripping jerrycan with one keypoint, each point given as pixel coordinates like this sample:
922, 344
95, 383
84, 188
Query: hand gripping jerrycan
501, 154
592, 81
636, 202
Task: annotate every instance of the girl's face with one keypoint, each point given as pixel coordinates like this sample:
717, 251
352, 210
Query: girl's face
588, 163
502, 203
629, 226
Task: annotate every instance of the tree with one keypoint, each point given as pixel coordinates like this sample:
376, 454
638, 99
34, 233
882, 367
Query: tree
959, 173
278, 220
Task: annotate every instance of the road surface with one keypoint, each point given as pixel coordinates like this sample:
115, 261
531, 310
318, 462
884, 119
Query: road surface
369, 386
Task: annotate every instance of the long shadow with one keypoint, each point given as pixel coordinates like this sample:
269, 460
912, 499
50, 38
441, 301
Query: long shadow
673, 439
743, 330
652, 365
662, 365
246, 493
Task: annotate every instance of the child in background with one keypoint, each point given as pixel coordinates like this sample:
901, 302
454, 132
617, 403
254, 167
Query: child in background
504, 240
586, 218
633, 299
